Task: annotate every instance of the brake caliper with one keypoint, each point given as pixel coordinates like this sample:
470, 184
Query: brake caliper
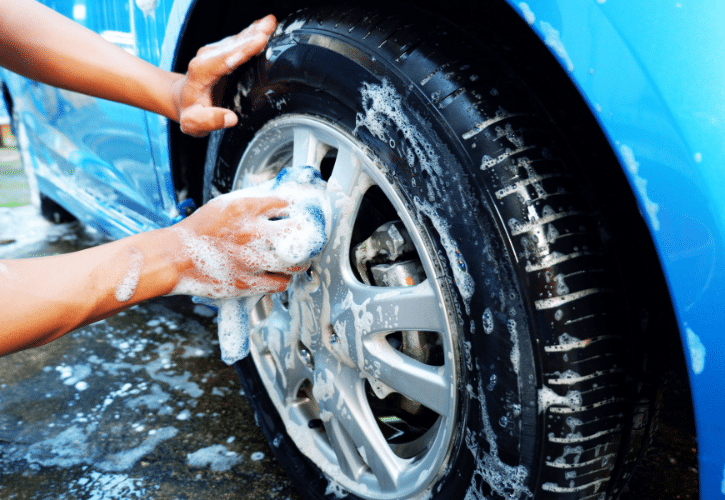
388, 258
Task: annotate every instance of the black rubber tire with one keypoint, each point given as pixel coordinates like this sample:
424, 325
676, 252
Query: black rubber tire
549, 406
53, 212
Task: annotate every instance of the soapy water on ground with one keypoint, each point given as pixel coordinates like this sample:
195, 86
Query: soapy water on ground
136, 406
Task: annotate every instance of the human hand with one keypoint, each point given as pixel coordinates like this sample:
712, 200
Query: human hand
193, 93
232, 248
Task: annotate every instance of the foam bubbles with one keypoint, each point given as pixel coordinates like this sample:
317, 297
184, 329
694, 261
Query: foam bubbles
515, 354
127, 287
553, 40
234, 328
487, 321
385, 117
697, 351
147, 6
527, 13
547, 397
217, 457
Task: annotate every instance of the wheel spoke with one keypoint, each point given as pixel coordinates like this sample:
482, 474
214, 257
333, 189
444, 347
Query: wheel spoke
283, 347
374, 310
296, 372
351, 463
307, 149
345, 188
361, 431
347, 175
428, 385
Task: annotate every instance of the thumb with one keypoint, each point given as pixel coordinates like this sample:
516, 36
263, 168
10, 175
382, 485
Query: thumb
198, 120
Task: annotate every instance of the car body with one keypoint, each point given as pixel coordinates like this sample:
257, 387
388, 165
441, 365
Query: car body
4, 125
651, 76
654, 101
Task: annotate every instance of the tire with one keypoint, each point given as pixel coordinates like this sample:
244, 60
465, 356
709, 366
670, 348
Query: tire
53, 212
463, 334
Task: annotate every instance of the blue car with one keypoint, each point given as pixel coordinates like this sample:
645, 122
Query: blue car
528, 214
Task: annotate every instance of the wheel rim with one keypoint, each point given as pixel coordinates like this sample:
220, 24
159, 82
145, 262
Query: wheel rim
340, 358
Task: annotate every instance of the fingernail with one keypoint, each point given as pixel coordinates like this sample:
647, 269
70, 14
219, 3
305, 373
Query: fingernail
229, 120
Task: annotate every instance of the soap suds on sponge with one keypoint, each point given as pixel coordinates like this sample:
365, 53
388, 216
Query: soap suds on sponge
308, 218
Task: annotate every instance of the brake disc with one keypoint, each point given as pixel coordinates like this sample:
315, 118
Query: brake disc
388, 258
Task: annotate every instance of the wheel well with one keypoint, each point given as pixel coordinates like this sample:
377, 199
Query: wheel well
494, 23
8, 99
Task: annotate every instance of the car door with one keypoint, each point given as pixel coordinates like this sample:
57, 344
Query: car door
101, 148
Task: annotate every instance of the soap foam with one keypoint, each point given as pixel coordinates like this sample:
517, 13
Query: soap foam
127, 287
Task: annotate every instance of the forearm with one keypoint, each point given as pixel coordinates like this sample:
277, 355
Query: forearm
45, 46
44, 298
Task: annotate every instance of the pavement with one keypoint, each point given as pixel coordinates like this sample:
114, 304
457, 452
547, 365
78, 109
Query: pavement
141, 406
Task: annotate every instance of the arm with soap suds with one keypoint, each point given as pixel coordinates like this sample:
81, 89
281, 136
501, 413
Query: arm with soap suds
41, 44
226, 249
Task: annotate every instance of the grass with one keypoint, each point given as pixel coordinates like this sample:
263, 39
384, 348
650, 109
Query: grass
13, 184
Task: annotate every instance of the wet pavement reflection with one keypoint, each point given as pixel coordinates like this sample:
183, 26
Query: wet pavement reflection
136, 406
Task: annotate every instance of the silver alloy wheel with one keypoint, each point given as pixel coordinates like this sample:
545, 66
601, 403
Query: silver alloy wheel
326, 350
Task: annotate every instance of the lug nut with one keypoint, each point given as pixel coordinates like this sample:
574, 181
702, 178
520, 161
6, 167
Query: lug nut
307, 357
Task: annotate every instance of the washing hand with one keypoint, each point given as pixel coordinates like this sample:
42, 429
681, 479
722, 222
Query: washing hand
43, 45
194, 92
231, 247
233, 250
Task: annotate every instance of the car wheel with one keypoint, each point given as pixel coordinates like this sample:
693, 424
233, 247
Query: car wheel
461, 335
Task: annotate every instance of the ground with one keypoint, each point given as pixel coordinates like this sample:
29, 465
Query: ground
140, 405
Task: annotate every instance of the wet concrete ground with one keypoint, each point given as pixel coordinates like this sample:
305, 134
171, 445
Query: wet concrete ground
140, 406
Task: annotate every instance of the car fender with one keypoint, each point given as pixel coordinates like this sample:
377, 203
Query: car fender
652, 76
174, 20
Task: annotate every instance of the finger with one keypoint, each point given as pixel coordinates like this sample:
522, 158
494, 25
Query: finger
265, 25
207, 68
269, 282
231, 49
299, 269
198, 120
223, 57
281, 281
